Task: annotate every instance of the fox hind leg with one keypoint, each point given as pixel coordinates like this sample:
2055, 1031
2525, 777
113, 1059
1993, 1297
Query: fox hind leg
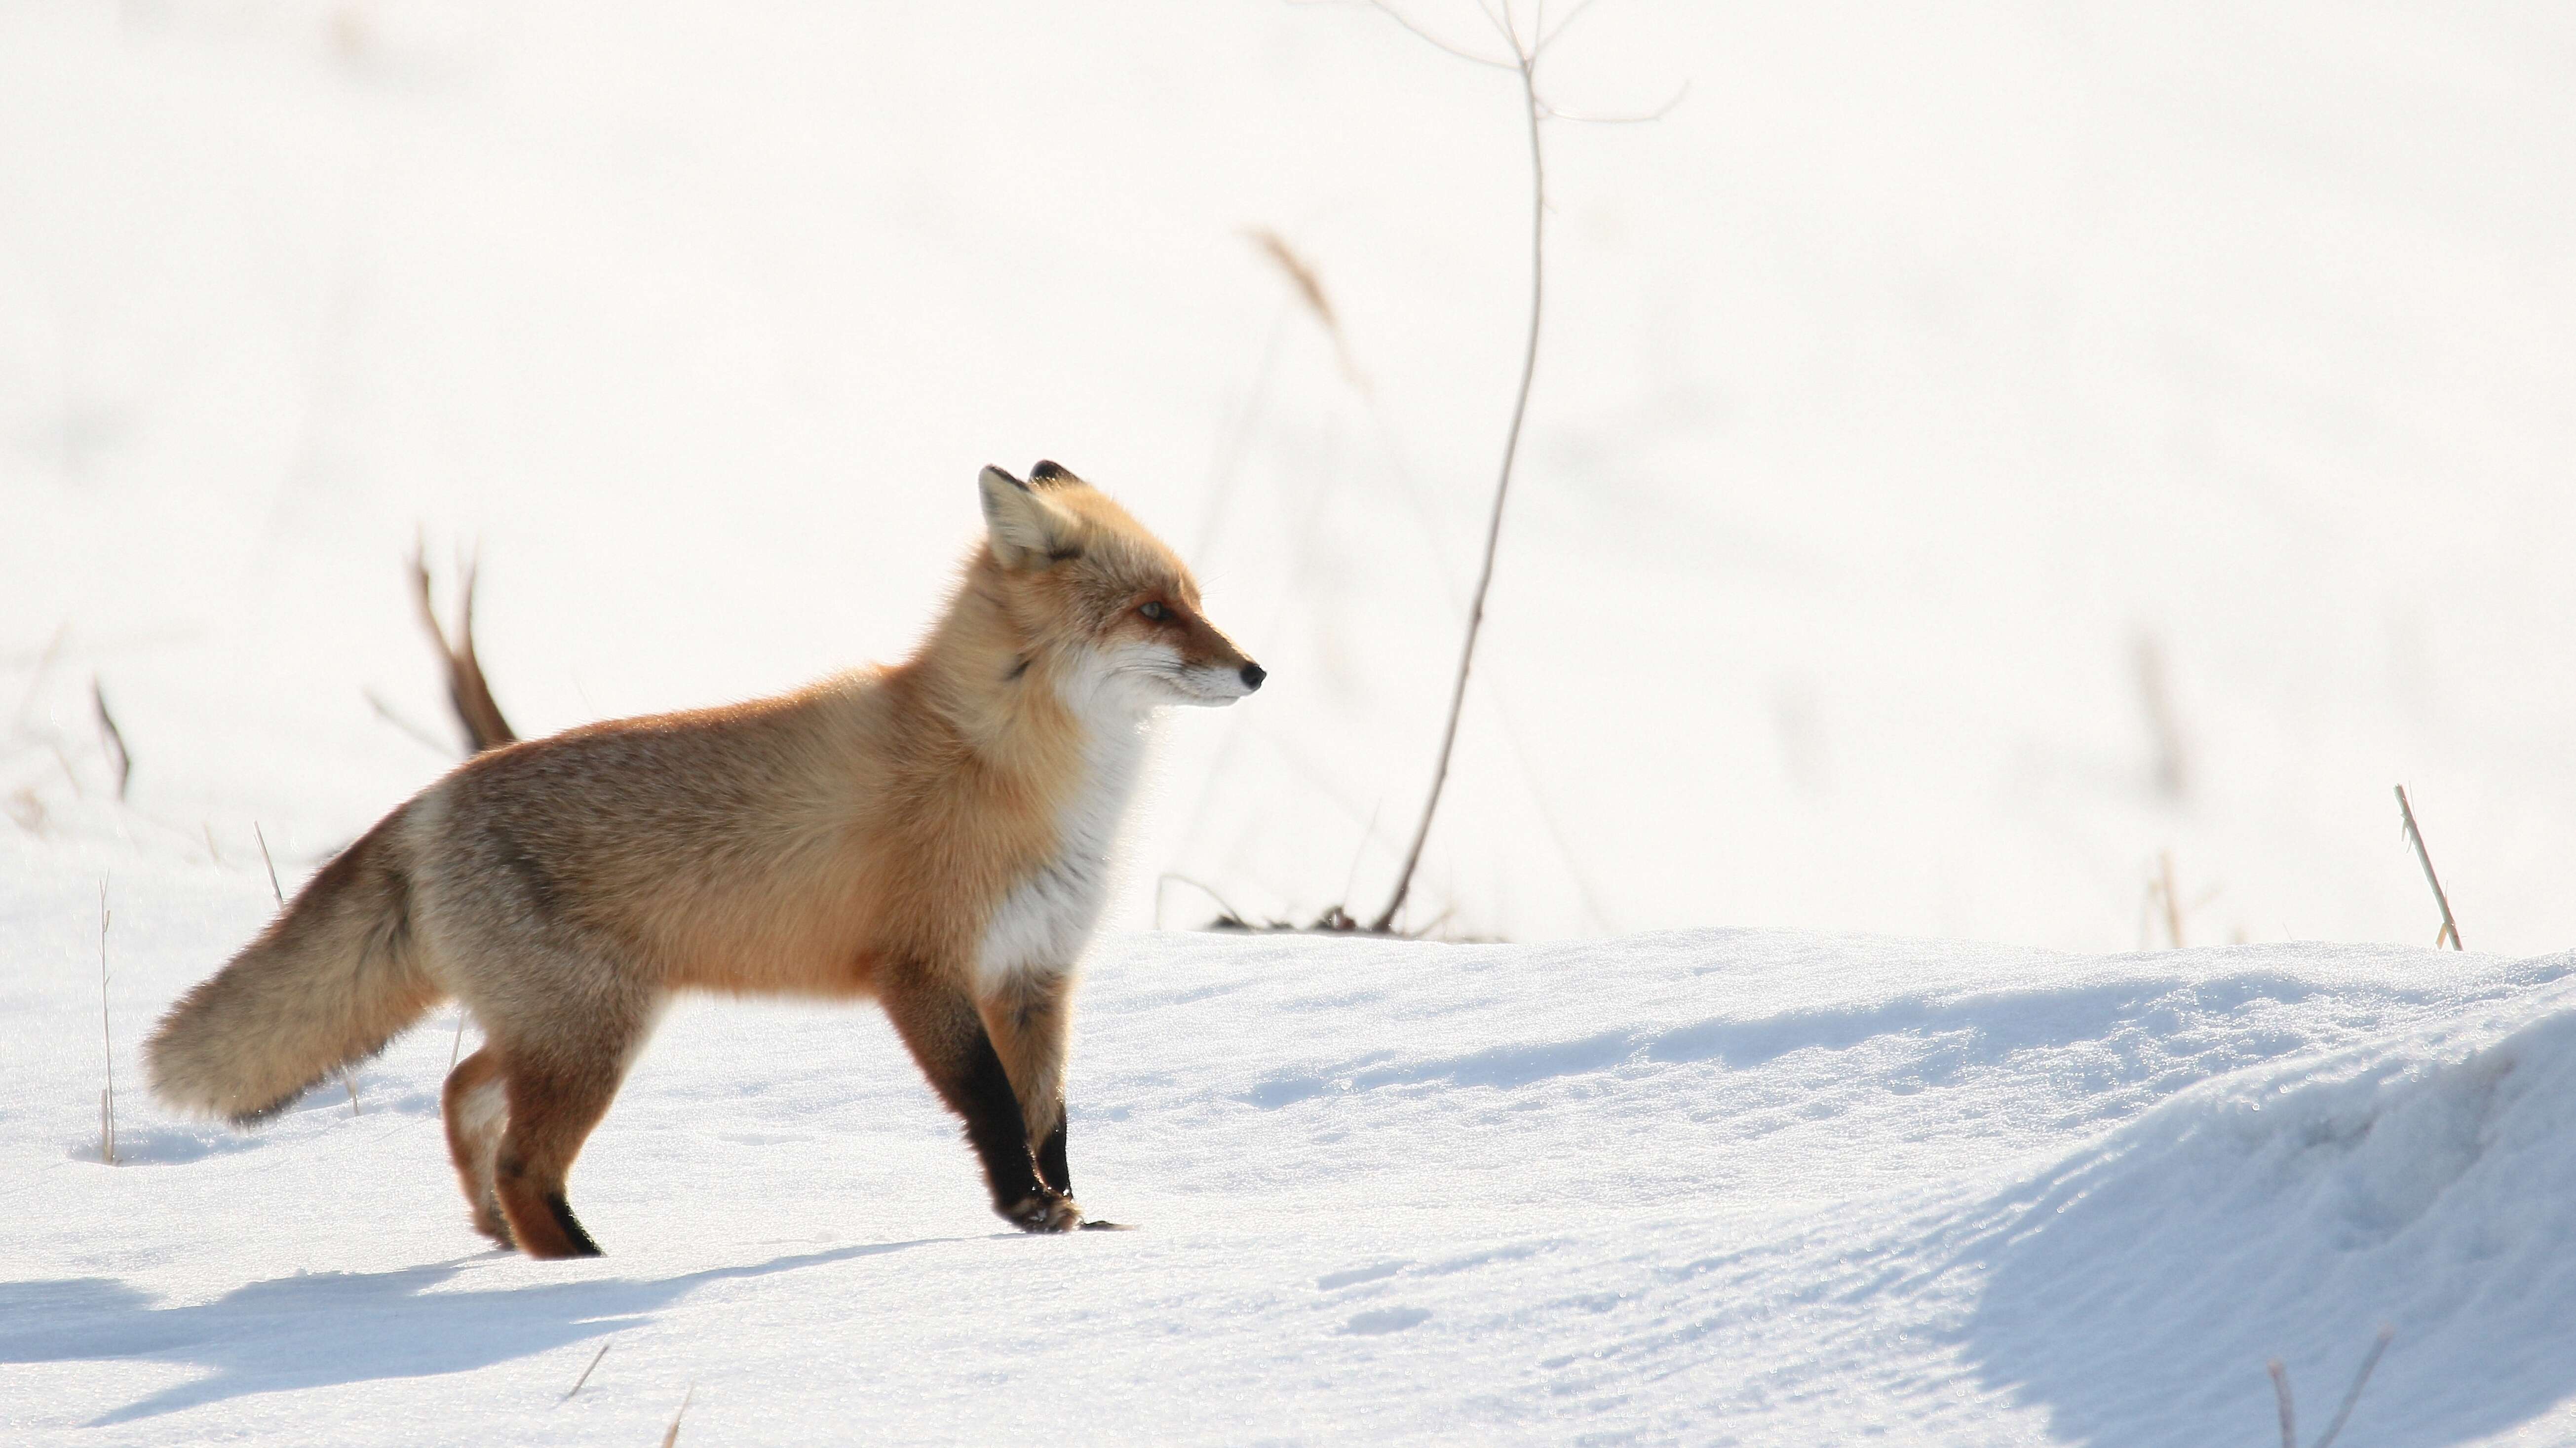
552, 1112
558, 1088
475, 1107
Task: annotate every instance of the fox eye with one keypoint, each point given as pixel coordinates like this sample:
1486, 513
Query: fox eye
1155, 611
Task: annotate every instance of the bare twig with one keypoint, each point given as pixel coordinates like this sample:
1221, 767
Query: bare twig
419, 735
1398, 16
586, 1372
466, 689
1169, 876
1635, 118
1525, 59
347, 1078
106, 1098
2155, 697
36, 680
2173, 898
671, 1435
113, 737
1310, 290
2281, 1396
2352, 1395
2450, 927
262, 836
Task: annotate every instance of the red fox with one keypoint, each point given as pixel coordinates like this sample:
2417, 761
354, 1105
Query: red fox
934, 834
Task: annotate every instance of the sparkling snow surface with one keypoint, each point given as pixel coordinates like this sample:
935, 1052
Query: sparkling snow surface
1699, 1187
1926, 396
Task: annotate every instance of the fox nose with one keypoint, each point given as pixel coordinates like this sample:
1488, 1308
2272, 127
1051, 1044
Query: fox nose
1253, 674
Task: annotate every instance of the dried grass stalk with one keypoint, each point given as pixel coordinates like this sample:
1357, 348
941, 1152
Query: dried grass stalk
466, 689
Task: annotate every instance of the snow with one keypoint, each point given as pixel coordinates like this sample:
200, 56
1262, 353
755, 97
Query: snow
1905, 390
1706, 1186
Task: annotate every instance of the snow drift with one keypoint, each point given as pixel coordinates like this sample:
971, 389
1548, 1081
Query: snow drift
1702, 1187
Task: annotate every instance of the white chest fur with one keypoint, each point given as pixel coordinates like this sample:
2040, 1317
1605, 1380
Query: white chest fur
1042, 924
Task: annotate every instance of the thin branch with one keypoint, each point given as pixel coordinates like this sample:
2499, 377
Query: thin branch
107, 1098
466, 689
1310, 290
586, 1372
419, 735
2173, 898
113, 736
36, 680
1222, 903
1638, 119
2281, 1395
672, 1435
272, 864
1502, 486
2352, 1395
1547, 37
1398, 16
2450, 927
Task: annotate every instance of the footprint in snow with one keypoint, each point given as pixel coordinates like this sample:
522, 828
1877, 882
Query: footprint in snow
1356, 1275
1386, 1319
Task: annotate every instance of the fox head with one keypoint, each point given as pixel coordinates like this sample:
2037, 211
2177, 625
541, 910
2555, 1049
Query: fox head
1103, 600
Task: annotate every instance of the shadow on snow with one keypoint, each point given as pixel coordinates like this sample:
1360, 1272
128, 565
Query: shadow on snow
325, 1329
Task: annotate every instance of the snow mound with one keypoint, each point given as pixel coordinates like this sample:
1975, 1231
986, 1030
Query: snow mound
1721, 1186
2423, 1181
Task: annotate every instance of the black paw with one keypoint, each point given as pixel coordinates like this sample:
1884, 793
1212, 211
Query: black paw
1045, 1212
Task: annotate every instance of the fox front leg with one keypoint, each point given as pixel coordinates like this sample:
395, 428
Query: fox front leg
1029, 1022
1029, 1028
947, 1036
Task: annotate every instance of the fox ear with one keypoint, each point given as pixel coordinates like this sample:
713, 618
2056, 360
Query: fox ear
1026, 530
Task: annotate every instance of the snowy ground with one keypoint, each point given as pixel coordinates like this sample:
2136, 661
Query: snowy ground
1706, 1187
1932, 401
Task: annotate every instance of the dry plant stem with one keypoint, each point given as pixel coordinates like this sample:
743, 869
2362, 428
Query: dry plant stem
346, 1079
1526, 58
106, 1098
113, 737
2281, 1395
586, 1372
2415, 836
1170, 876
2155, 696
36, 680
2352, 1395
2173, 901
2343, 1413
1310, 290
262, 836
419, 735
466, 690
672, 1435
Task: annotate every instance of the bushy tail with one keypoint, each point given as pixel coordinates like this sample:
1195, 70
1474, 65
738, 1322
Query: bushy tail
330, 981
